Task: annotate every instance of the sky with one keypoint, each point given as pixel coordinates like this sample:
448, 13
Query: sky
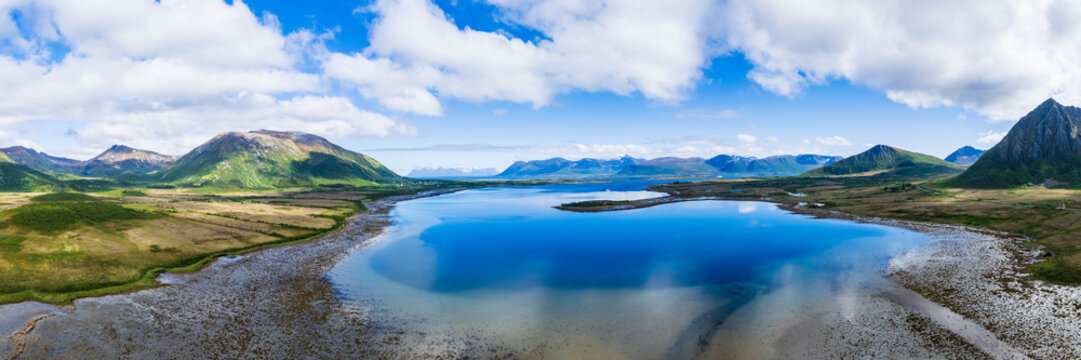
484, 83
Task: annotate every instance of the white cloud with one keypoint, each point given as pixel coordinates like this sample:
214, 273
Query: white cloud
637, 46
744, 138
191, 124
154, 73
999, 58
833, 141
991, 137
772, 139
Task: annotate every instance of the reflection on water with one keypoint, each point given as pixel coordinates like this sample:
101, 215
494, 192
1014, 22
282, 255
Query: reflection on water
503, 267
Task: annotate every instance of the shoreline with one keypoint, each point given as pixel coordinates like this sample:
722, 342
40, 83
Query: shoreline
226, 307
987, 263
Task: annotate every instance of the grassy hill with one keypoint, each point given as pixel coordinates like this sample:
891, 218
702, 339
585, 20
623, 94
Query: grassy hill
268, 159
20, 178
882, 158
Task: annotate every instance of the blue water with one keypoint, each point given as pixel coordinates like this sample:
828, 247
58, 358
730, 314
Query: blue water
503, 264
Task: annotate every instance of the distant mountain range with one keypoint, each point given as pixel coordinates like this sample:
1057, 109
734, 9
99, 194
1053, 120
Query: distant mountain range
965, 156
1043, 147
560, 168
888, 159
629, 167
451, 173
116, 160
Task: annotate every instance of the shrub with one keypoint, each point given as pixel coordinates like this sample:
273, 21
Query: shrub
61, 215
62, 196
132, 192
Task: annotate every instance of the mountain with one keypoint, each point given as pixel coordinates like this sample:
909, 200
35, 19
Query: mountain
117, 160
560, 168
39, 161
965, 155
263, 159
888, 159
450, 173
1043, 147
120, 159
770, 166
670, 166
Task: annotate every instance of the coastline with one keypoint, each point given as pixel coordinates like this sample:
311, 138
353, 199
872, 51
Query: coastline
273, 302
974, 274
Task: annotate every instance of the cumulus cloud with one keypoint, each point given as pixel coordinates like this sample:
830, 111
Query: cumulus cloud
1000, 58
653, 48
991, 137
832, 141
744, 138
152, 73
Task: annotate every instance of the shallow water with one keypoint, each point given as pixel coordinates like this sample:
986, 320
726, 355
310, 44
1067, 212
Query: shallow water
503, 269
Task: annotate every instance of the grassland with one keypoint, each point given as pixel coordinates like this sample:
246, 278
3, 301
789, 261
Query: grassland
58, 247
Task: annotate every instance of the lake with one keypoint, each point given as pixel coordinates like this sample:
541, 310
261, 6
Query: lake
503, 270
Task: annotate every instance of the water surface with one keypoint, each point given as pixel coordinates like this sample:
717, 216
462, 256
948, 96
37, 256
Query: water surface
505, 270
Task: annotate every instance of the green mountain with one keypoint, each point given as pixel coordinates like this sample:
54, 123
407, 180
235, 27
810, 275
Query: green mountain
966, 155
264, 159
16, 177
1043, 147
888, 159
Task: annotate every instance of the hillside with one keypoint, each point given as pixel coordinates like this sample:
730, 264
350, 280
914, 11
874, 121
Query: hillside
40, 161
19, 178
560, 168
966, 155
889, 159
1043, 147
265, 159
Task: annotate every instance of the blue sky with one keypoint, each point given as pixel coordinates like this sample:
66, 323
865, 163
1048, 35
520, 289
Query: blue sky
484, 83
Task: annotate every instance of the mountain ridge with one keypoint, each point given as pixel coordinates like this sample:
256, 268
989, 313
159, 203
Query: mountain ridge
1043, 147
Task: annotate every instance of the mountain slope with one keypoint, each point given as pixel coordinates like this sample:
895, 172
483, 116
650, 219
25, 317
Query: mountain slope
966, 155
1043, 147
16, 177
265, 159
886, 158
39, 161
